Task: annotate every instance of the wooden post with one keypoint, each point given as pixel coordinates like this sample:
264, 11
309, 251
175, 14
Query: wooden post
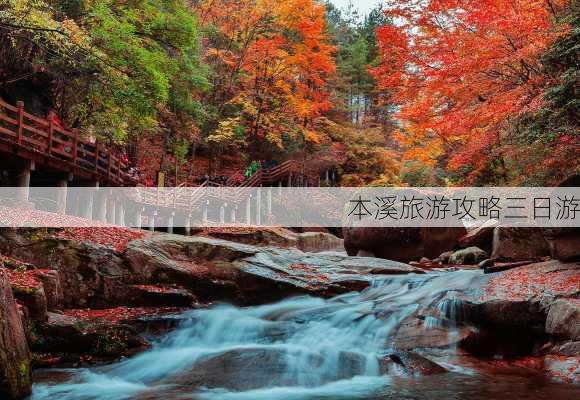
223, 213
111, 203
62, 196
97, 145
91, 193
152, 221
50, 132
269, 197
102, 206
119, 213
20, 105
24, 182
110, 162
233, 214
75, 145
259, 207
138, 215
249, 210
188, 225
204, 216
170, 222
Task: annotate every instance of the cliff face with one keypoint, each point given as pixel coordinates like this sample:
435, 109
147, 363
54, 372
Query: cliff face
14, 354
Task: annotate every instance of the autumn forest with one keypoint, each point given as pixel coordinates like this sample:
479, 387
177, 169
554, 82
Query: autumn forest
441, 92
289, 199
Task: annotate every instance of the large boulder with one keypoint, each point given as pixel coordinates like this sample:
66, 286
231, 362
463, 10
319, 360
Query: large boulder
564, 319
519, 244
401, 244
564, 243
481, 236
73, 337
275, 237
15, 377
253, 368
537, 299
219, 270
99, 276
91, 275
469, 256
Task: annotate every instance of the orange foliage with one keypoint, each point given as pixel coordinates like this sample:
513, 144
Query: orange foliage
461, 70
272, 59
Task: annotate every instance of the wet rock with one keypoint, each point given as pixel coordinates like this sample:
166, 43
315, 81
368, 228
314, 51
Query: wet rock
567, 349
519, 244
159, 296
275, 237
215, 269
512, 311
564, 319
415, 364
495, 267
401, 244
522, 296
90, 275
15, 377
52, 288
252, 368
70, 335
34, 299
469, 256
485, 264
444, 257
413, 333
564, 243
319, 241
481, 236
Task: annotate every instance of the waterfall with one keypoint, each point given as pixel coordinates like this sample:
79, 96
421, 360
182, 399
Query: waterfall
299, 348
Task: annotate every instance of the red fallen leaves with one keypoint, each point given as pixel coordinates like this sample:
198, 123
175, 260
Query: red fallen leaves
22, 217
114, 237
23, 280
522, 283
119, 314
21, 274
155, 289
310, 272
560, 368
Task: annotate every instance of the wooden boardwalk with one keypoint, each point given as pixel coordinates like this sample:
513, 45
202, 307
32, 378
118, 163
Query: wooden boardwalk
45, 142
41, 144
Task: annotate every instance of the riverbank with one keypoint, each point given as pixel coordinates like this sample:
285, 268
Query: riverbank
94, 295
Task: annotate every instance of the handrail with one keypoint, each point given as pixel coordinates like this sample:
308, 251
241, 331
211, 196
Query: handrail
41, 135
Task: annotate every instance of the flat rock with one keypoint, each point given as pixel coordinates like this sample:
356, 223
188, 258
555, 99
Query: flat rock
416, 365
247, 274
401, 244
519, 244
256, 367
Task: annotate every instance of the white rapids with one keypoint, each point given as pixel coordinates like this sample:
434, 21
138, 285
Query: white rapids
309, 348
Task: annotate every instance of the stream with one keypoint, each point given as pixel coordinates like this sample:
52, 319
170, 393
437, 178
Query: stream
305, 348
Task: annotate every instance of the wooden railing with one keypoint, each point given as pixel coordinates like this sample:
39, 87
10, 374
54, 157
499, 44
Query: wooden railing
179, 198
34, 137
42, 137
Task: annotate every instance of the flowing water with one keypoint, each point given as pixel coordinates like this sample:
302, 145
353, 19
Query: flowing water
303, 348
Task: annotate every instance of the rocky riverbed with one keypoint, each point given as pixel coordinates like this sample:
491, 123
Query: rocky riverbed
87, 296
